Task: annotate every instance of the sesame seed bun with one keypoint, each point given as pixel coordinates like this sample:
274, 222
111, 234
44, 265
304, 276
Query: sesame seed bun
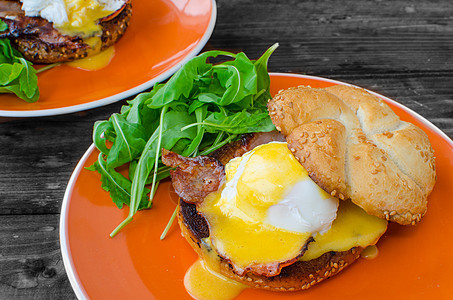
355, 147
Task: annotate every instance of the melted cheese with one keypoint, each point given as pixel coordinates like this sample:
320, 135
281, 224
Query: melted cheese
353, 227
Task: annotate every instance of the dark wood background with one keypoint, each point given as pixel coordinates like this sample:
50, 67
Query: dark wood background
401, 49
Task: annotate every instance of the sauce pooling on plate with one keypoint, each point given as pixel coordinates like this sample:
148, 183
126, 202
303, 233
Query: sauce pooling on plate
94, 62
203, 283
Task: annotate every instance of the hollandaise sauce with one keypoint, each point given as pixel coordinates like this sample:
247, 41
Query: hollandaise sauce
202, 283
94, 62
265, 212
238, 214
370, 252
353, 227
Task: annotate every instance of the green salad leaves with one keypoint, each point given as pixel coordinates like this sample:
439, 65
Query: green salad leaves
16, 73
202, 107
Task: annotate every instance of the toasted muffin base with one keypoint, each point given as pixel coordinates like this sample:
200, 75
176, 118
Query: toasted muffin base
39, 51
297, 276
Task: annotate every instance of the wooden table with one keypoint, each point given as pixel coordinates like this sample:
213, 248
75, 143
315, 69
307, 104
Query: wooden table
401, 49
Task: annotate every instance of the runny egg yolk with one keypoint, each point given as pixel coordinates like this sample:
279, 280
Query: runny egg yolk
267, 209
73, 17
83, 16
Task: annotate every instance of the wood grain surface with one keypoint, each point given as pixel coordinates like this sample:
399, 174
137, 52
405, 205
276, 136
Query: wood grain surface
401, 49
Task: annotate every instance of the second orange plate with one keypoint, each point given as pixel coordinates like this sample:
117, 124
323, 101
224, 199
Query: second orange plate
413, 261
162, 36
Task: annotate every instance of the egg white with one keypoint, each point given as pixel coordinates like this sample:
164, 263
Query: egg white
74, 17
305, 207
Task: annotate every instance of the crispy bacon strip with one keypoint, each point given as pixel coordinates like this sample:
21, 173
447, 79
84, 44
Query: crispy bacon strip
194, 178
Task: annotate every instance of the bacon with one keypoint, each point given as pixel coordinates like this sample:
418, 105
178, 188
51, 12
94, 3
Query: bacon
194, 178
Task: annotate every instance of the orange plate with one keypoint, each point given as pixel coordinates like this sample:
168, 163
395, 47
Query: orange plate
413, 262
162, 35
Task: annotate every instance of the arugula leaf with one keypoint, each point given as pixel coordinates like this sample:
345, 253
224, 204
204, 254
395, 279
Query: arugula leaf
16, 74
202, 107
129, 143
3, 26
116, 184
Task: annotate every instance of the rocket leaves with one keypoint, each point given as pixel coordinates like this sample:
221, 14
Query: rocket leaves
200, 108
16, 74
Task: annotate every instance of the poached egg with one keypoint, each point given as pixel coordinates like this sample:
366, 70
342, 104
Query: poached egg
72, 17
268, 208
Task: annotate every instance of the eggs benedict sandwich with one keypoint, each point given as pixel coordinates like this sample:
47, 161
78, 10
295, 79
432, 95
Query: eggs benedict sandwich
47, 31
285, 210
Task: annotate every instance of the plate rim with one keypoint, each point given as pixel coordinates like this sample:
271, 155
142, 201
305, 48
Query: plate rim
64, 238
125, 94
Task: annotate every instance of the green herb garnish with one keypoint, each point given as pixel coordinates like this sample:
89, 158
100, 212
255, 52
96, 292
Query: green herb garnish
17, 75
201, 108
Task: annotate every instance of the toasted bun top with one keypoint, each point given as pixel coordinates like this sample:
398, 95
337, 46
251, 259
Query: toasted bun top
354, 146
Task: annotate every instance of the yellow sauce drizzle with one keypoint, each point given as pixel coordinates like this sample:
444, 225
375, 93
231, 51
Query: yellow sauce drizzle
370, 252
94, 62
352, 227
204, 284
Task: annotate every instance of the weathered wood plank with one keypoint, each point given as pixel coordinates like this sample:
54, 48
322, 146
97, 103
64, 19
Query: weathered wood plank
328, 38
31, 266
38, 156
